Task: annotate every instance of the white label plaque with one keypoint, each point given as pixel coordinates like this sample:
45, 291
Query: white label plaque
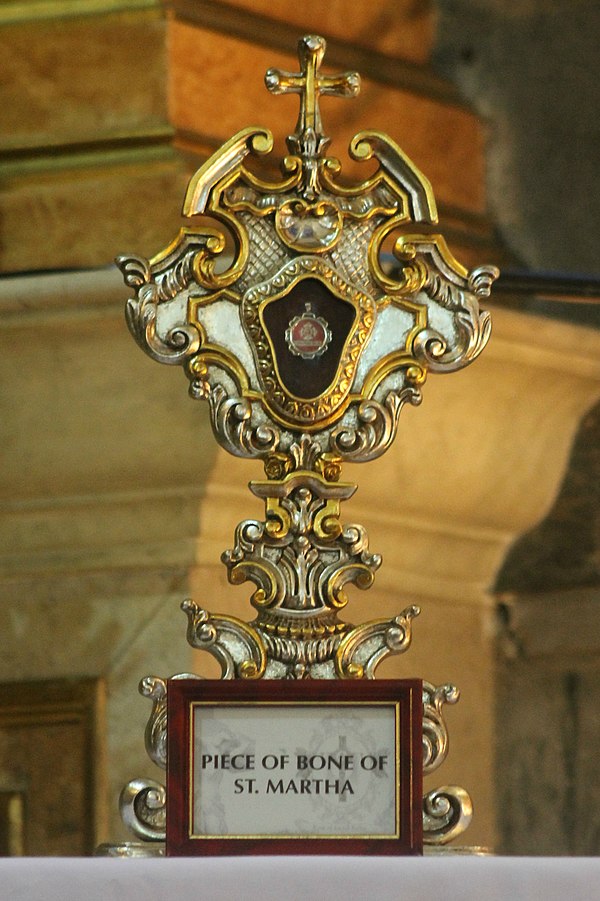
312, 770
300, 767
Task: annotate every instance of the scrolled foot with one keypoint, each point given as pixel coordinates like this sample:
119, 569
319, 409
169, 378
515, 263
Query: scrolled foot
143, 808
447, 812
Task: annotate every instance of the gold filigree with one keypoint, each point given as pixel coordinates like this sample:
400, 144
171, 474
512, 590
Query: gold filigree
172, 269
413, 274
251, 194
278, 465
358, 574
265, 574
306, 455
399, 172
308, 193
292, 411
221, 164
330, 466
214, 355
278, 520
325, 625
197, 302
204, 197
327, 524
300, 557
435, 250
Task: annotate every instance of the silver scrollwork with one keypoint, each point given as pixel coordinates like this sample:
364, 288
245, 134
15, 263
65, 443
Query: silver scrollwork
481, 280
237, 646
142, 805
305, 652
473, 327
368, 144
232, 424
305, 452
155, 688
447, 811
458, 294
435, 731
376, 426
364, 647
140, 312
301, 558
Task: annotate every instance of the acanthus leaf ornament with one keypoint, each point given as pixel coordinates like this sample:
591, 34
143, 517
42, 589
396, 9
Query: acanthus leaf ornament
307, 342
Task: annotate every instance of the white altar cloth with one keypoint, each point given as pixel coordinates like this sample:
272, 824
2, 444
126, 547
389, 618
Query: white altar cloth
459, 878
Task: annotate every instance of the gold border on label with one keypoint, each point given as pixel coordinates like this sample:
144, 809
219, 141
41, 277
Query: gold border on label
395, 705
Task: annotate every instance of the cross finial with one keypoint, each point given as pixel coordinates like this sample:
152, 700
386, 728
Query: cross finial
310, 84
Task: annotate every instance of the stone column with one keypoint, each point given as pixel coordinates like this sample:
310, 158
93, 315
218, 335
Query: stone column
85, 143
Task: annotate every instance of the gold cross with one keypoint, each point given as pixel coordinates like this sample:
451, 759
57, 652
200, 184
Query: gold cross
310, 84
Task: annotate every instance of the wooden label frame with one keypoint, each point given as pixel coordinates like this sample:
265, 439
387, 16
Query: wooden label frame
307, 767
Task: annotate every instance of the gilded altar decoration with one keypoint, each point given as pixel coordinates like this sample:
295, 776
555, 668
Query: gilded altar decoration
307, 316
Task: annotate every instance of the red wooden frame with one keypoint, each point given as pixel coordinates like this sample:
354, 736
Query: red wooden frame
405, 696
